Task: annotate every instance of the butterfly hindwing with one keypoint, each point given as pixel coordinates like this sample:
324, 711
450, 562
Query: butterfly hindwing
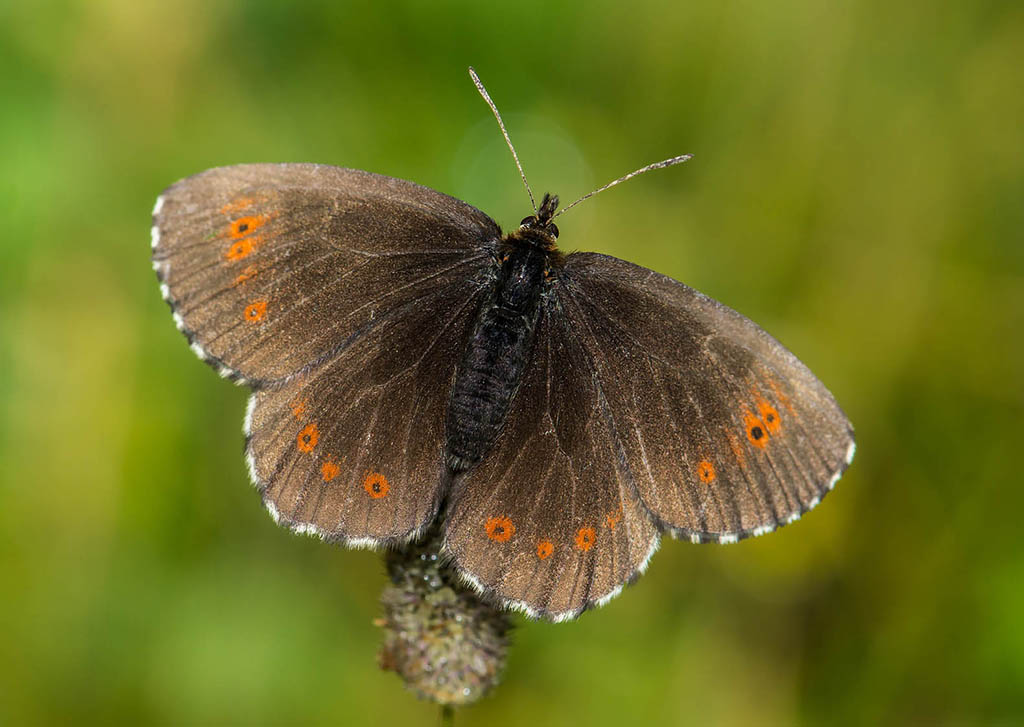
353, 450
270, 269
722, 431
548, 523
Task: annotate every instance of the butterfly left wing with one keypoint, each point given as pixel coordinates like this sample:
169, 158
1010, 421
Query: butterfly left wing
548, 523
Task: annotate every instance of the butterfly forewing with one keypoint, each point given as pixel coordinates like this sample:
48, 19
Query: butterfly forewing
270, 269
723, 432
548, 523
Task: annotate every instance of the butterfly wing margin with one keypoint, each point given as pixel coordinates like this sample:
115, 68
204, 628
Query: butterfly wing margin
577, 532
269, 269
724, 433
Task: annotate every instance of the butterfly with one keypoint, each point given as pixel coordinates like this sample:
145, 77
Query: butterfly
413, 366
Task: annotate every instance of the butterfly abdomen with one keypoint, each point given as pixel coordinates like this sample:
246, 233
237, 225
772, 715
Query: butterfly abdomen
496, 357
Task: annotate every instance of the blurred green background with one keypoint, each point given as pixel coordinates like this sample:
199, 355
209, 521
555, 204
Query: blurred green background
857, 188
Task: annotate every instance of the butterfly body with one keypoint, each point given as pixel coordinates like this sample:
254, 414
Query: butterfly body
405, 356
499, 349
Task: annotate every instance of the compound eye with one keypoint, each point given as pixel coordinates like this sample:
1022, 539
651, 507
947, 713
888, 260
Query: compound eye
552, 229
527, 221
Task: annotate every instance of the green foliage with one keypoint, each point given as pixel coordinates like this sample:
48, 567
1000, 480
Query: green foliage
857, 188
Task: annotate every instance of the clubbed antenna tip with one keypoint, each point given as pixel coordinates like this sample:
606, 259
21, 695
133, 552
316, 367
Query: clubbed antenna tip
657, 165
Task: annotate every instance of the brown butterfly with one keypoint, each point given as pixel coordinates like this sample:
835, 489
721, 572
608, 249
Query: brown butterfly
411, 363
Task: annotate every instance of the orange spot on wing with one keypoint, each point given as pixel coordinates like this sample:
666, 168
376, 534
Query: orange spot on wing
613, 518
545, 548
756, 431
248, 274
241, 248
237, 205
499, 529
298, 408
585, 539
769, 415
329, 470
255, 311
247, 225
376, 485
706, 472
308, 437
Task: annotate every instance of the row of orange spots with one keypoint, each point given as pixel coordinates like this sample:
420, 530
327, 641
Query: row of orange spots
765, 422
240, 231
585, 540
757, 427
255, 311
500, 529
375, 484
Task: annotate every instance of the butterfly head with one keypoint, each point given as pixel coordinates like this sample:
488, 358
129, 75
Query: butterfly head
539, 227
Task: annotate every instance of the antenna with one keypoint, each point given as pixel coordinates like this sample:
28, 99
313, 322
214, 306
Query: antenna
657, 165
487, 98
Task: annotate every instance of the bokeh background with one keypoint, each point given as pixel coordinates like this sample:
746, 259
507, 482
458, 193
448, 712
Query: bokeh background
857, 188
